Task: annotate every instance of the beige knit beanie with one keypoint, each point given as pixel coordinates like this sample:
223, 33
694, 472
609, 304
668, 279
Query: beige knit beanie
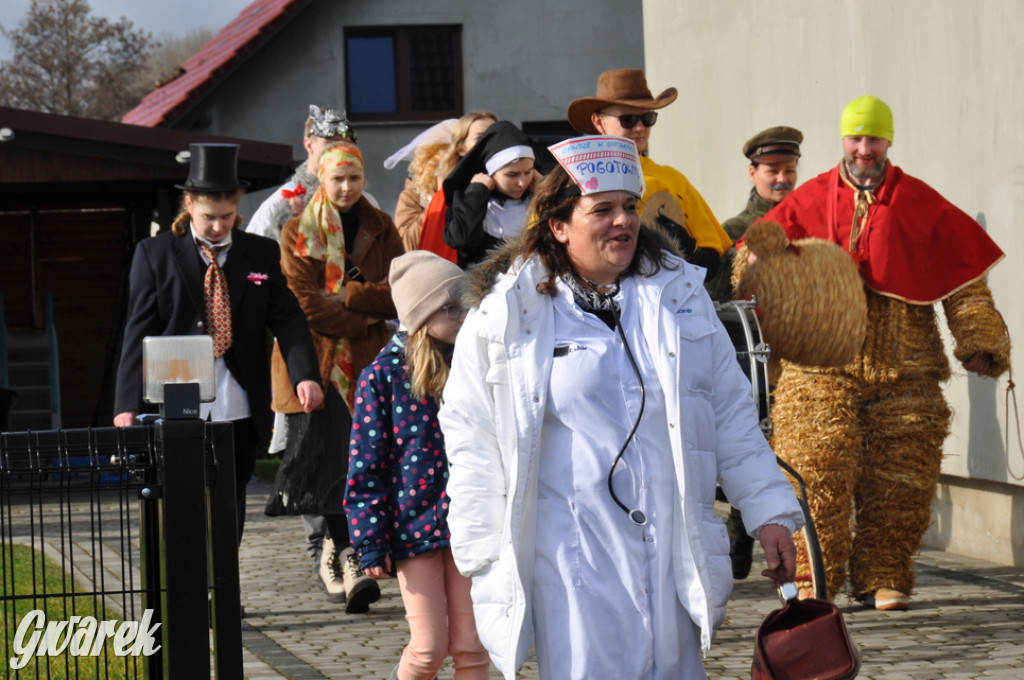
421, 283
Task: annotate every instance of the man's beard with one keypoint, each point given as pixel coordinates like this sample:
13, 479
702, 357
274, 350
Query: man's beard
866, 175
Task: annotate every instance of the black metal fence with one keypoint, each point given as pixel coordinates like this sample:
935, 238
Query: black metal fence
118, 548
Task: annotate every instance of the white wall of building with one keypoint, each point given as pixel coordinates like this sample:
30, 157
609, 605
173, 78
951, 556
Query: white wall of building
953, 73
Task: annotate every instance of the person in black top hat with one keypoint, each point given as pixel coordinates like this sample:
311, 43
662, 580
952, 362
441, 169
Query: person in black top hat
488, 192
205, 275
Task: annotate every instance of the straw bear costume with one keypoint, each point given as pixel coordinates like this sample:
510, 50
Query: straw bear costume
867, 437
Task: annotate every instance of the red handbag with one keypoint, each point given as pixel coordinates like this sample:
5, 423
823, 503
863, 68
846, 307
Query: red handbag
805, 640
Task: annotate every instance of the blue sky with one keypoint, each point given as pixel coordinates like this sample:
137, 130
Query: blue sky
176, 17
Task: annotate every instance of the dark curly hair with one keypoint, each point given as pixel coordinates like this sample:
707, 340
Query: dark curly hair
555, 197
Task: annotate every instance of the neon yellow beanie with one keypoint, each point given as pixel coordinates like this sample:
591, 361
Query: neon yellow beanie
867, 115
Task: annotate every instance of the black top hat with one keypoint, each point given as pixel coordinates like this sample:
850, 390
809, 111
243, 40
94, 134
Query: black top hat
213, 168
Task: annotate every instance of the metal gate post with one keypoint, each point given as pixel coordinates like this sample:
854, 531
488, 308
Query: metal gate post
185, 633
227, 622
149, 546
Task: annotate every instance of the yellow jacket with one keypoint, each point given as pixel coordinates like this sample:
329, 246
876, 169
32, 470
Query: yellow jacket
700, 221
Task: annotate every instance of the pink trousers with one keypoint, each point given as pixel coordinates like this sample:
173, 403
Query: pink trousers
440, 615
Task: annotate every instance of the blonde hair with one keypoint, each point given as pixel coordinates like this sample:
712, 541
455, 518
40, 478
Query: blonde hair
178, 225
459, 134
424, 169
428, 370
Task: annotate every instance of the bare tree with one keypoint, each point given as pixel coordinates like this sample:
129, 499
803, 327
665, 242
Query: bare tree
64, 60
164, 62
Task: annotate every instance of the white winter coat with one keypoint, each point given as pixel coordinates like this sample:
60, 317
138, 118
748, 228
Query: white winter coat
494, 404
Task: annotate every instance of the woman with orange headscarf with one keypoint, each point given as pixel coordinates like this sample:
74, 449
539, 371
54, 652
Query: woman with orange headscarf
336, 256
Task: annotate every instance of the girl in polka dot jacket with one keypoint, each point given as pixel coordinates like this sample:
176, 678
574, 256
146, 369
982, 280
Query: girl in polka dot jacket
395, 500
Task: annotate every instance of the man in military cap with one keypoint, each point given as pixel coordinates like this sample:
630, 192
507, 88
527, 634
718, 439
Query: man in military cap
773, 155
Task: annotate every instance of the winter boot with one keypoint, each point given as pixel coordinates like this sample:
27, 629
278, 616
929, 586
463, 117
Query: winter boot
360, 590
331, 577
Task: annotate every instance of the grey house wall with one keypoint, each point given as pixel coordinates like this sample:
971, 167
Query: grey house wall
525, 61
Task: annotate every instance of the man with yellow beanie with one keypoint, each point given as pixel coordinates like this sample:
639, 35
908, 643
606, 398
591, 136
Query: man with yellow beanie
867, 437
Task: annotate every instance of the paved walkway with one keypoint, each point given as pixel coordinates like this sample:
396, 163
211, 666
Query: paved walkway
966, 620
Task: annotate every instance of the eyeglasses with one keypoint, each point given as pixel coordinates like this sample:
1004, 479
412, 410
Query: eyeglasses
629, 120
454, 310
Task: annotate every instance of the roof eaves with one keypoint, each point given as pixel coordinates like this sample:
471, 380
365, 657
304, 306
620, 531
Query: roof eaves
191, 88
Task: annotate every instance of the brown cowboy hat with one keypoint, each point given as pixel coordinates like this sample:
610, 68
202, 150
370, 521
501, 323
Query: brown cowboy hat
626, 86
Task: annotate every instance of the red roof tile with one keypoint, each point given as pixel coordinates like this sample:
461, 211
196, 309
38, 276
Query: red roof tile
215, 60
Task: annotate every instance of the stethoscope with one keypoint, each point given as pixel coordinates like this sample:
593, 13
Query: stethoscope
636, 516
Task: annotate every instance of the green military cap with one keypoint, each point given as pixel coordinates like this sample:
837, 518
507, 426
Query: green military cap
775, 141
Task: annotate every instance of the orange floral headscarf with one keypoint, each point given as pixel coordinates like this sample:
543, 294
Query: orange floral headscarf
321, 237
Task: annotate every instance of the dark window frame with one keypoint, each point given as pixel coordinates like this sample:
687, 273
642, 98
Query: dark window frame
400, 36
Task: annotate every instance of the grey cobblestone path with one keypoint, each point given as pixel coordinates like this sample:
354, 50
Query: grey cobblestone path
966, 619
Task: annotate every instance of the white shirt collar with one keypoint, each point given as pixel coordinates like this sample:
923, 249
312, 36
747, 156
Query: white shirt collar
221, 244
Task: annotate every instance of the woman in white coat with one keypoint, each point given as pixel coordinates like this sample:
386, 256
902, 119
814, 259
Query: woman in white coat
594, 403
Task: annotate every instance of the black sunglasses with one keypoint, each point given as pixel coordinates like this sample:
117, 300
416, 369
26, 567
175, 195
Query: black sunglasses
629, 120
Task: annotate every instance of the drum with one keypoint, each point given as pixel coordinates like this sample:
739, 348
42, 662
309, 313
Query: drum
752, 352
740, 321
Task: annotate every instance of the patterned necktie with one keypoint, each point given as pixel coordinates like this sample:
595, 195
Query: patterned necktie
218, 304
863, 199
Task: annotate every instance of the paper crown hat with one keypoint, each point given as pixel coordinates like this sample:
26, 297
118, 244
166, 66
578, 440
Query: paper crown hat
601, 163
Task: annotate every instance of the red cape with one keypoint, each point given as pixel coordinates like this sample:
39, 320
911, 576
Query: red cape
916, 245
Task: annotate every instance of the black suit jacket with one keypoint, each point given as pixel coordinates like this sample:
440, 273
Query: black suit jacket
166, 298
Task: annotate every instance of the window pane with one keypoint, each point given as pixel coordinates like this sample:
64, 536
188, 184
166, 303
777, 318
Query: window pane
371, 75
432, 70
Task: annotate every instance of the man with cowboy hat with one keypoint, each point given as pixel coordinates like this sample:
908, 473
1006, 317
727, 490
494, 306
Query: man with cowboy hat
176, 287
624, 107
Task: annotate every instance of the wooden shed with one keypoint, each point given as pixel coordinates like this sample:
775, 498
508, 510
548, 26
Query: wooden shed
76, 195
